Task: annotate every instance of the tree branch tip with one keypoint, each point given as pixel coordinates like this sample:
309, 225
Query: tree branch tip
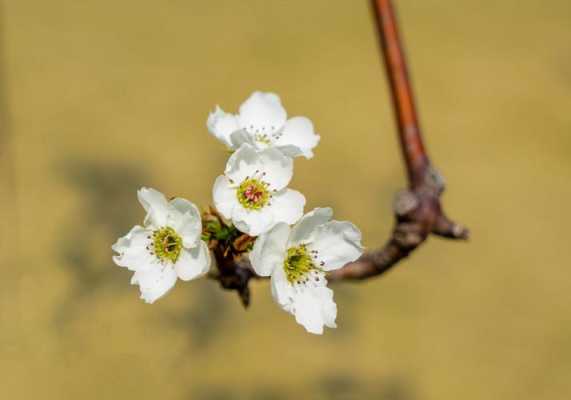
461, 232
452, 231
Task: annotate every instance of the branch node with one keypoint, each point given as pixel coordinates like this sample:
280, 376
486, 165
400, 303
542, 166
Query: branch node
405, 202
434, 181
408, 235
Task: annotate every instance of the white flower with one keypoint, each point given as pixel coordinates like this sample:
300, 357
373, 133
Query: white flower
262, 122
297, 259
166, 248
252, 192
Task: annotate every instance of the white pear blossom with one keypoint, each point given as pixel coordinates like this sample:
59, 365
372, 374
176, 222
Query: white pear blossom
297, 259
252, 193
262, 122
167, 247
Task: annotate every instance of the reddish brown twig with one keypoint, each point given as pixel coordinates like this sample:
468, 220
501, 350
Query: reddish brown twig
418, 212
412, 146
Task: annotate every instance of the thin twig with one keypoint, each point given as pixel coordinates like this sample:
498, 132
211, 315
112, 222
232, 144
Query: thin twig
418, 211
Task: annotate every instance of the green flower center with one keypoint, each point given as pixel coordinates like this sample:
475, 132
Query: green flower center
253, 194
167, 244
299, 264
262, 138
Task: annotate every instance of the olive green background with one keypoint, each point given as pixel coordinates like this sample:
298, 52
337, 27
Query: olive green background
100, 97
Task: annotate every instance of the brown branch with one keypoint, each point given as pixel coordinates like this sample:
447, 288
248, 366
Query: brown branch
412, 147
418, 212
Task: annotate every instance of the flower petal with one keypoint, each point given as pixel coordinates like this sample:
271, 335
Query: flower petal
262, 113
131, 249
222, 125
282, 291
186, 221
253, 222
154, 282
155, 204
277, 167
270, 250
269, 165
337, 244
240, 137
298, 138
302, 231
315, 308
224, 196
193, 263
243, 163
287, 206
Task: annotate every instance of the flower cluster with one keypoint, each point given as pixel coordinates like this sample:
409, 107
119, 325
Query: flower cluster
252, 195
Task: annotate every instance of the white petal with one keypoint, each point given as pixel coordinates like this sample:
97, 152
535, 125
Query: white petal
315, 308
155, 204
131, 249
222, 125
277, 167
302, 231
253, 222
262, 113
337, 243
282, 291
155, 282
243, 163
186, 221
270, 250
224, 196
240, 137
298, 138
269, 165
287, 206
193, 263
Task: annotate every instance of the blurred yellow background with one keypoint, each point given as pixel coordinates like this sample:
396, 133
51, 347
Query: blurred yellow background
100, 97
